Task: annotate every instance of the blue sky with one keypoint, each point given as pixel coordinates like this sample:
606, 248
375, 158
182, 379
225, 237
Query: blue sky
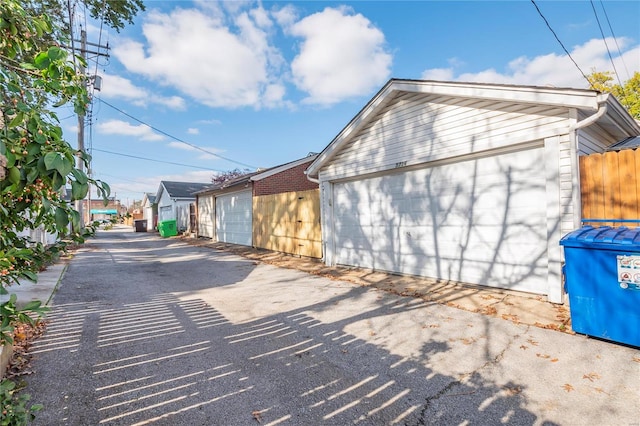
256, 84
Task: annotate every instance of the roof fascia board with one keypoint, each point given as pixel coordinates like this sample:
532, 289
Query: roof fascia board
621, 117
224, 187
374, 105
161, 189
282, 168
571, 98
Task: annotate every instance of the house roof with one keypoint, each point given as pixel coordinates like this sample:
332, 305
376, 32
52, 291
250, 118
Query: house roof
180, 189
150, 197
278, 169
628, 143
615, 120
257, 175
237, 181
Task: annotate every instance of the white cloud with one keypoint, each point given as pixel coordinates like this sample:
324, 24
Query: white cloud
212, 121
442, 74
261, 17
116, 87
286, 16
119, 127
342, 55
195, 53
553, 69
172, 102
193, 131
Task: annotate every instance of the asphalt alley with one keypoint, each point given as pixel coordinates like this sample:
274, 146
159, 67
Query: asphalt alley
146, 330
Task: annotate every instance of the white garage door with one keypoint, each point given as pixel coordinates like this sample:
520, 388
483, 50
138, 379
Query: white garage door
205, 216
233, 218
481, 221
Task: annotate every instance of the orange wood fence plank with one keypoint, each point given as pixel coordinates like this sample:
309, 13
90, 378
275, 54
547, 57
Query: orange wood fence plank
610, 186
627, 184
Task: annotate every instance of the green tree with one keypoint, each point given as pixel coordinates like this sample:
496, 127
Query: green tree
36, 163
628, 94
37, 76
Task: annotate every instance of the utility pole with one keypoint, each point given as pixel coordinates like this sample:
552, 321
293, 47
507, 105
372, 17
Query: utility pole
83, 70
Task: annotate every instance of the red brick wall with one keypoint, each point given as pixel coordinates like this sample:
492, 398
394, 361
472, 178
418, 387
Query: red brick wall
289, 180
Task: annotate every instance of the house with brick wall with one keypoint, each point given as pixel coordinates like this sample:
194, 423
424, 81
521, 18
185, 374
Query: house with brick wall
276, 209
286, 210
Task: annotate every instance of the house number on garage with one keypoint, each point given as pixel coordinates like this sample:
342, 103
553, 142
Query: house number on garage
401, 164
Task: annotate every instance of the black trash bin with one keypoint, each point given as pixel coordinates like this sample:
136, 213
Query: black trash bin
140, 225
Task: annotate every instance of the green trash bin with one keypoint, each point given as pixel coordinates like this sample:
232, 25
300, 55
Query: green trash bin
168, 228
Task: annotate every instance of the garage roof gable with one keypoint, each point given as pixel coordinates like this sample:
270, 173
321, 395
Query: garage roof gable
586, 101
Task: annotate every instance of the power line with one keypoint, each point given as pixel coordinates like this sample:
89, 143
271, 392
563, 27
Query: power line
157, 161
119, 177
558, 39
616, 40
175, 138
605, 43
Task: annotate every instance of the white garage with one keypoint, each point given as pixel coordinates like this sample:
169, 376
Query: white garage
234, 217
206, 215
474, 183
470, 221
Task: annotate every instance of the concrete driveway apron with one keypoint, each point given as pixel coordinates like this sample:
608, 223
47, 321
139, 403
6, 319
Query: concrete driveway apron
146, 330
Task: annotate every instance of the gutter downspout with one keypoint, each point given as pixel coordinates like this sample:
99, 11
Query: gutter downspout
557, 295
602, 110
573, 133
314, 180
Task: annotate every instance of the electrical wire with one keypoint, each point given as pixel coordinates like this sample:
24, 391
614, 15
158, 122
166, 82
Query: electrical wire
173, 137
93, 86
119, 177
616, 40
605, 43
157, 161
71, 21
558, 39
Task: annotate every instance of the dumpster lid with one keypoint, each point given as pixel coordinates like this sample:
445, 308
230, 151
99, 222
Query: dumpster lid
616, 238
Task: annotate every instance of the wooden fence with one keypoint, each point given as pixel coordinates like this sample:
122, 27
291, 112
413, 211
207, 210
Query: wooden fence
288, 222
609, 186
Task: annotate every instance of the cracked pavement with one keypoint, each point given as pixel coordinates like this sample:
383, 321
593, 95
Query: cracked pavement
146, 330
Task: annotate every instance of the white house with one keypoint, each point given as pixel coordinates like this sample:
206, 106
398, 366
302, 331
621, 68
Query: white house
474, 183
150, 210
225, 211
173, 200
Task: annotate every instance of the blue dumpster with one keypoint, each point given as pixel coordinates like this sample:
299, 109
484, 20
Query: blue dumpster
602, 278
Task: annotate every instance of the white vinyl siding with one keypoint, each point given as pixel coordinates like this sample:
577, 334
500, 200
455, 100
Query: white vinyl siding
166, 206
481, 221
590, 143
147, 214
169, 209
234, 218
569, 198
182, 215
206, 212
416, 129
